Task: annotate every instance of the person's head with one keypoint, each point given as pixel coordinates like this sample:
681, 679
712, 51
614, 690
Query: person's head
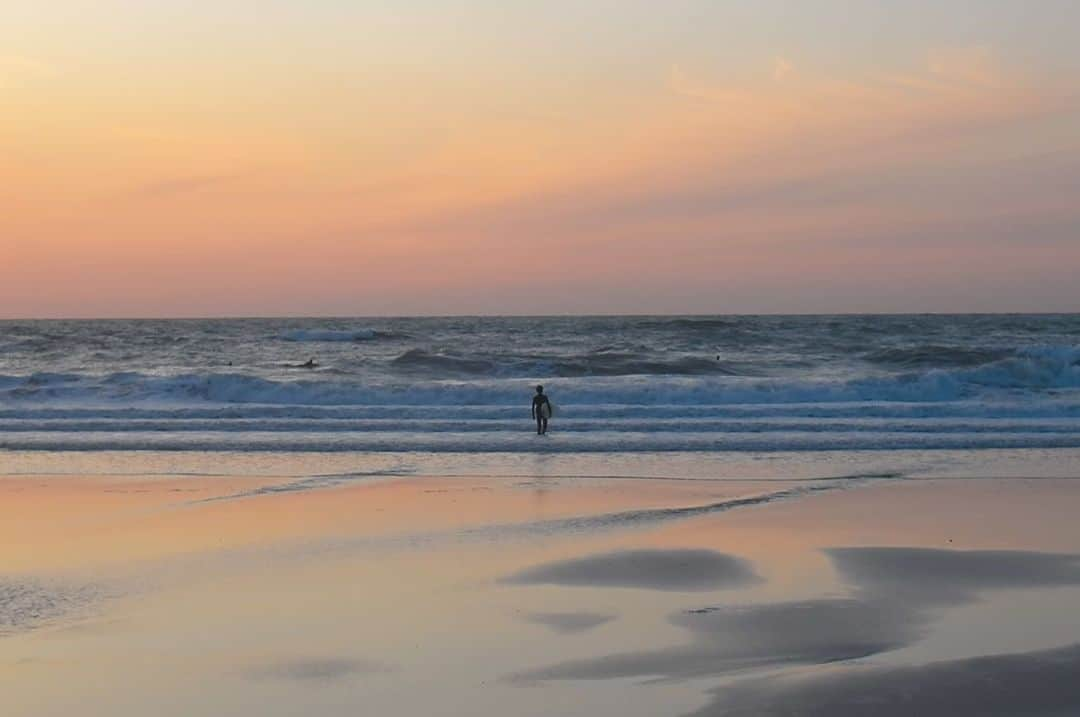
539, 389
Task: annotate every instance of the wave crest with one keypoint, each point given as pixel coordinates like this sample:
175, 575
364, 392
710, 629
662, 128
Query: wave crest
460, 380
928, 355
331, 335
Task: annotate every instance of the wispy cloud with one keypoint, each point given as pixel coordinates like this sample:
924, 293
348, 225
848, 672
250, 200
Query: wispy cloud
682, 83
972, 65
184, 185
782, 67
957, 72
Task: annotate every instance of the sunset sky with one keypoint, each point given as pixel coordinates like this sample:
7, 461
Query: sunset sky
346, 157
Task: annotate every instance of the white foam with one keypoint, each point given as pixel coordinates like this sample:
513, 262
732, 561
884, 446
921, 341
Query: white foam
28, 604
1031, 370
1029, 399
520, 441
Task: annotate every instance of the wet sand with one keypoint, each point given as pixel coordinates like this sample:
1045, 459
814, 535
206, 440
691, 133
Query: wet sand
392, 594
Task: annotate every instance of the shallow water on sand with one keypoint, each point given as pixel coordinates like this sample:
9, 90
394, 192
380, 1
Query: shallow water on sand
532, 592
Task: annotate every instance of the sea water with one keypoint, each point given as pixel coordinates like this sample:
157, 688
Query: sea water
619, 384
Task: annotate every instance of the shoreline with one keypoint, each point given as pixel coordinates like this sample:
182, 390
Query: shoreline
277, 594
667, 465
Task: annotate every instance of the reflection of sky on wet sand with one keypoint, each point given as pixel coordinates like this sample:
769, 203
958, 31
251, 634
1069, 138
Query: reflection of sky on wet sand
350, 598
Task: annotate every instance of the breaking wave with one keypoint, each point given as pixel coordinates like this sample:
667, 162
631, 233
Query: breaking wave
425, 361
618, 384
1031, 369
934, 355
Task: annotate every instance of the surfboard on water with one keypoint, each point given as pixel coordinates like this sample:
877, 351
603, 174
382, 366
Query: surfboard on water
546, 409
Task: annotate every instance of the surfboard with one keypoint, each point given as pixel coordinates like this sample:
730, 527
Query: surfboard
546, 409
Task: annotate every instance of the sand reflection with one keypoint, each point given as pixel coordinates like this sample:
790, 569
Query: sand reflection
1033, 684
895, 593
675, 570
569, 622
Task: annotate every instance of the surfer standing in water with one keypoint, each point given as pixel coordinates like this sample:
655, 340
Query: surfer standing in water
541, 410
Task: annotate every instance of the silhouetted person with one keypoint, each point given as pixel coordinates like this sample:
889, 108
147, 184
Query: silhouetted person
310, 363
541, 410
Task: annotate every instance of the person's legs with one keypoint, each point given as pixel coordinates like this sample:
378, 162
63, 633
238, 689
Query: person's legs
544, 420
540, 423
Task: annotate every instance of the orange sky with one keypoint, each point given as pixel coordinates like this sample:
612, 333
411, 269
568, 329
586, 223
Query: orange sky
468, 158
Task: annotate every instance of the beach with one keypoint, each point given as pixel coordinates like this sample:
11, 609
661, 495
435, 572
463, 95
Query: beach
759, 515
529, 593
540, 359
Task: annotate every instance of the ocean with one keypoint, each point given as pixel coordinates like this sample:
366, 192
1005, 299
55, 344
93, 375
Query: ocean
629, 384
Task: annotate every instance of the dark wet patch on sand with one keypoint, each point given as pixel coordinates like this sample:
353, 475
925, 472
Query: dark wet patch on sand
929, 576
1033, 684
897, 593
569, 622
316, 670
731, 639
674, 570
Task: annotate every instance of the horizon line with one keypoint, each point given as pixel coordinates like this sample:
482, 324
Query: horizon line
328, 317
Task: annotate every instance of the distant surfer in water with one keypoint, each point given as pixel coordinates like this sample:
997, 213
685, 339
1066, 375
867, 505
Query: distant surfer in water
310, 363
541, 410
